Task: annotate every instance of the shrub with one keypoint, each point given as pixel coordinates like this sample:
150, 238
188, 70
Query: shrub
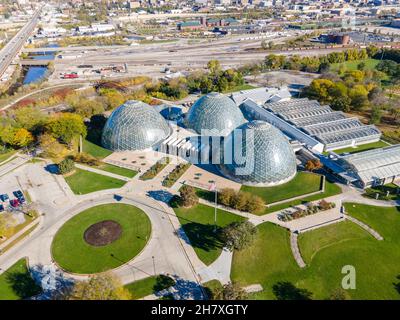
243, 201
255, 204
66, 166
188, 196
85, 158
225, 196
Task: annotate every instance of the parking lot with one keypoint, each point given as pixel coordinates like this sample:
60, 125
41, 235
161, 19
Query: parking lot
9, 198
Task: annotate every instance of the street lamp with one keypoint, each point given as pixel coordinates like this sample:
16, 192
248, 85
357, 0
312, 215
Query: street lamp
154, 265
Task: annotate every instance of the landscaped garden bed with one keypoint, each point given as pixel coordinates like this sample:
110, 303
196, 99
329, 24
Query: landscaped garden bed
175, 174
309, 210
155, 169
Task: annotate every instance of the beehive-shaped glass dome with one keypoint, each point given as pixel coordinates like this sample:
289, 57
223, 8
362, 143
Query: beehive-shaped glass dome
214, 114
134, 126
258, 154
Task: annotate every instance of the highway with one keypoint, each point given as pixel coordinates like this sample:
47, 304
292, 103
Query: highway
9, 52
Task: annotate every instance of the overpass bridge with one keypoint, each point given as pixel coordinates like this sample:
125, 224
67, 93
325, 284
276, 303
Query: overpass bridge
12, 48
33, 62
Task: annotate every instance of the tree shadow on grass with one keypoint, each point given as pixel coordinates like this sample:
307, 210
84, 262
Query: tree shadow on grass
163, 282
22, 284
202, 236
397, 285
285, 290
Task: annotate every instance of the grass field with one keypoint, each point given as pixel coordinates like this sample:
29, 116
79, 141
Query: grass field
331, 189
211, 287
198, 224
147, 286
326, 250
83, 182
363, 147
73, 253
95, 150
303, 183
118, 170
4, 156
16, 282
370, 64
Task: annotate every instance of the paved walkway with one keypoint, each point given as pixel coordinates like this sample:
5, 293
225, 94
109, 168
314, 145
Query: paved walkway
374, 233
220, 269
295, 250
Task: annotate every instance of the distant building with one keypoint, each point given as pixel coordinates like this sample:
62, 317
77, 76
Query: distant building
395, 23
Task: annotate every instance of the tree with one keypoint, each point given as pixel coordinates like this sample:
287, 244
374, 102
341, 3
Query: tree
188, 196
230, 291
319, 89
225, 196
313, 164
66, 127
99, 287
255, 204
240, 200
51, 147
22, 138
376, 115
214, 66
238, 235
66, 166
274, 62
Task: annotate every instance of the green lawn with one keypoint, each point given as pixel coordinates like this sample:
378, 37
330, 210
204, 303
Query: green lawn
363, 147
370, 64
95, 150
302, 183
16, 283
269, 260
145, 287
313, 242
331, 189
211, 287
83, 182
117, 170
394, 192
73, 253
198, 224
4, 156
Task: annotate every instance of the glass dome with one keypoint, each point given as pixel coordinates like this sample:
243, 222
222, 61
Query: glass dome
258, 154
214, 114
134, 126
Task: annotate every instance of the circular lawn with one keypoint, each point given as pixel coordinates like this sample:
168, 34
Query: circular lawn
101, 238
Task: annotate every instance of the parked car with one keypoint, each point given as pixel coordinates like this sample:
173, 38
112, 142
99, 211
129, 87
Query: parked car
4, 197
14, 203
18, 194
